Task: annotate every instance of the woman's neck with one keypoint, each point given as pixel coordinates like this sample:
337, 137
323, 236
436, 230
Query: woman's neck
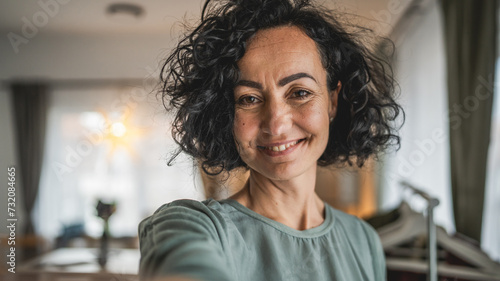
293, 203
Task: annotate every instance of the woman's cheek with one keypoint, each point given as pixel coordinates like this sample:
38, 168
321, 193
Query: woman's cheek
242, 130
315, 118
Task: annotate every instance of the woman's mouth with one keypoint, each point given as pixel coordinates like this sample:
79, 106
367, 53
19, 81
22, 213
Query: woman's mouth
282, 147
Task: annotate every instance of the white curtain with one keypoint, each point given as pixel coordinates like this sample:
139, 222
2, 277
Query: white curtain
490, 240
89, 157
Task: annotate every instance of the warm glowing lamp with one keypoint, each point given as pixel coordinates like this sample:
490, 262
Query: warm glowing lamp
118, 129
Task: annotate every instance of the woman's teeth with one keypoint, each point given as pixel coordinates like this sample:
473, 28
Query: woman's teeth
282, 147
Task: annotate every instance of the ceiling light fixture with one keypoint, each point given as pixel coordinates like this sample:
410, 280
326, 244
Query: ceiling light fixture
125, 9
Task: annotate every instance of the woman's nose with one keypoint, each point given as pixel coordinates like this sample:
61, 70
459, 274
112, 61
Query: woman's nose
276, 118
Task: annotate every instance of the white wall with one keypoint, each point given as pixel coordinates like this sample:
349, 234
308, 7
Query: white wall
423, 158
80, 56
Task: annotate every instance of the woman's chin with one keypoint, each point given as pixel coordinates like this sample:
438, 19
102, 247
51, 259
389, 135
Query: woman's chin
282, 171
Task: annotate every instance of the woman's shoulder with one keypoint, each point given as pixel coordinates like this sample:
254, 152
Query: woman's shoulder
186, 209
182, 218
189, 205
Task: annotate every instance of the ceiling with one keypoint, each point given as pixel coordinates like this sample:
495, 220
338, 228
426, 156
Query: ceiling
79, 16
76, 39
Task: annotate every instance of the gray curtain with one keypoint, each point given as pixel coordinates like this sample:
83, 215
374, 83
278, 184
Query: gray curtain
470, 30
30, 111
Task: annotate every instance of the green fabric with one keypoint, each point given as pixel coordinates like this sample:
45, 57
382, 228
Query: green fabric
223, 240
470, 29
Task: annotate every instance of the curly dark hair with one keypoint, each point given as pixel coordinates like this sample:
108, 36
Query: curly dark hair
199, 76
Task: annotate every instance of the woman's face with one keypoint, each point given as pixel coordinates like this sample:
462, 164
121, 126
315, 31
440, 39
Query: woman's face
282, 104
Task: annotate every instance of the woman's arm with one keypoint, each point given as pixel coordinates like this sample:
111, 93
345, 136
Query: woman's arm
183, 239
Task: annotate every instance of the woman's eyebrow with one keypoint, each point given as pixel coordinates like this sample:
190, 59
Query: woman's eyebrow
294, 77
281, 83
251, 84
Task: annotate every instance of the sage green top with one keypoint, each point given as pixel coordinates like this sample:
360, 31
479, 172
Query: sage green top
223, 240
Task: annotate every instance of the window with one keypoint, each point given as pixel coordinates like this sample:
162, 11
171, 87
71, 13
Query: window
108, 143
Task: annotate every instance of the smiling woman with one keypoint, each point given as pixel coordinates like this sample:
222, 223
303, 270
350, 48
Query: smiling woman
277, 87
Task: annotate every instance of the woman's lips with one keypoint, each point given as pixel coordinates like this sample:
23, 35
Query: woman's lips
280, 149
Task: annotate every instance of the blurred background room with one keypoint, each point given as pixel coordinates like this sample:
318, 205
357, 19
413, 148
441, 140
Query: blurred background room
89, 139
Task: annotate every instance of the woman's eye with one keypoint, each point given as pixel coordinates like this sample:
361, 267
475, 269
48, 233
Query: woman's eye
247, 100
301, 94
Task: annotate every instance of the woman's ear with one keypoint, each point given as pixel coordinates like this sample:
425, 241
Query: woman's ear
334, 94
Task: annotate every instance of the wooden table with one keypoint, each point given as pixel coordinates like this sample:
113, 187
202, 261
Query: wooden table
80, 264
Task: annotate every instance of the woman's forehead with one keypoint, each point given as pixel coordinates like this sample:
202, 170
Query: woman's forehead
282, 51
280, 37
